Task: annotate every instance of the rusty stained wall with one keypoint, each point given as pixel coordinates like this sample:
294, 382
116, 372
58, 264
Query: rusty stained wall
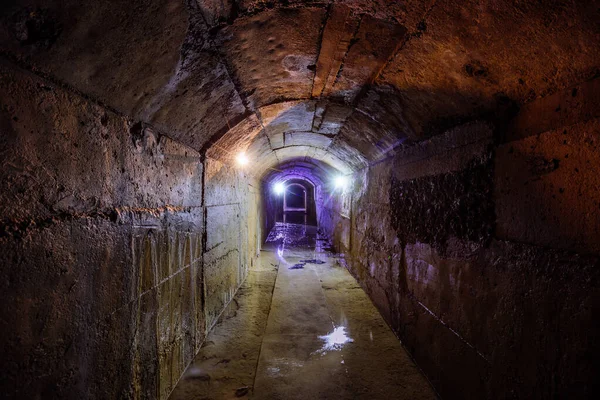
107, 278
484, 257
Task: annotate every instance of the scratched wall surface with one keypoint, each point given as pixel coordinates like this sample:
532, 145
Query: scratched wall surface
107, 287
482, 301
231, 223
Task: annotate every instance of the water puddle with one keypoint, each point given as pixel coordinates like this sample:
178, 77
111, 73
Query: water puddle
313, 261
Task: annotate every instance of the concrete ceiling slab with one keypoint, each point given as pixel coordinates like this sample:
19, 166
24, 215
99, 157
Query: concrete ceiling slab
284, 117
330, 117
367, 52
470, 58
346, 80
273, 53
307, 138
237, 139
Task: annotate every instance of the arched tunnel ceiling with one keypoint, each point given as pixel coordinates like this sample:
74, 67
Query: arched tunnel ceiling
318, 173
343, 82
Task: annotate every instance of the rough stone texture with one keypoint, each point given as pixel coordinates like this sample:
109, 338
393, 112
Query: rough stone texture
434, 208
406, 13
337, 36
150, 60
98, 40
170, 315
579, 104
504, 314
104, 258
196, 69
469, 58
373, 42
284, 118
548, 188
349, 83
257, 47
231, 215
484, 317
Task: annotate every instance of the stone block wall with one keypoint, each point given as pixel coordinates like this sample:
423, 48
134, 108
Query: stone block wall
334, 216
120, 247
480, 248
231, 243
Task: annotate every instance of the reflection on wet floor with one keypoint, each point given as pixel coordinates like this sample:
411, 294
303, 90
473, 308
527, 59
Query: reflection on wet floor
292, 235
335, 340
301, 328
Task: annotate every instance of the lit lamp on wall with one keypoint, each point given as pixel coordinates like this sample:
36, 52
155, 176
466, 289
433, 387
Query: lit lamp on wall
278, 188
241, 159
341, 182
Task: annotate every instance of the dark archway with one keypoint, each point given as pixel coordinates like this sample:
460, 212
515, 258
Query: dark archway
295, 198
294, 203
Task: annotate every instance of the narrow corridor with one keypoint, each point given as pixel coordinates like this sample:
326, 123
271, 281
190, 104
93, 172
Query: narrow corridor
301, 327
448, 150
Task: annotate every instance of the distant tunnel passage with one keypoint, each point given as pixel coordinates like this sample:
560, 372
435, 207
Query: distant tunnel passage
295, 198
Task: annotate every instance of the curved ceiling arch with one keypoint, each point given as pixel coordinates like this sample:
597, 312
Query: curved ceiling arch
318, 173
353, 79
287, 130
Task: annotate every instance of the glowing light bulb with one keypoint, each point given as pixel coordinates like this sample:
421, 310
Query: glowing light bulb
242, 159
340, 182
278, 188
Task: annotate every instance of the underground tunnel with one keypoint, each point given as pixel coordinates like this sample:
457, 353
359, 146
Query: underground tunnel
341, 199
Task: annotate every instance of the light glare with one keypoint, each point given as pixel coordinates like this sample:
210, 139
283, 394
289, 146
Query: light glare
278, 188
335, 340
340, 182
242, 159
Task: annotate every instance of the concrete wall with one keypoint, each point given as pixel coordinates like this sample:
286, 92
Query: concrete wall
272, 206
484, 257
232, 205
335, 211
119, 247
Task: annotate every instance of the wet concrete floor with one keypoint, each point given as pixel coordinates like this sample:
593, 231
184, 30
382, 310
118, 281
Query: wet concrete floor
301, 328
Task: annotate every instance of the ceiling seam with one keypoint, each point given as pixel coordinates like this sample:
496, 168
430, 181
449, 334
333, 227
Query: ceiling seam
420, 28
397, 50
320, 45
230, 71
350, 45
338, 73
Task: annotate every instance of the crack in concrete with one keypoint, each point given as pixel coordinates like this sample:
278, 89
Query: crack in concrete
351, 44
452, 330
220, 258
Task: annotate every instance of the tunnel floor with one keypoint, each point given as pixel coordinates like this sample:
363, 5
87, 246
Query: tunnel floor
301, 327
